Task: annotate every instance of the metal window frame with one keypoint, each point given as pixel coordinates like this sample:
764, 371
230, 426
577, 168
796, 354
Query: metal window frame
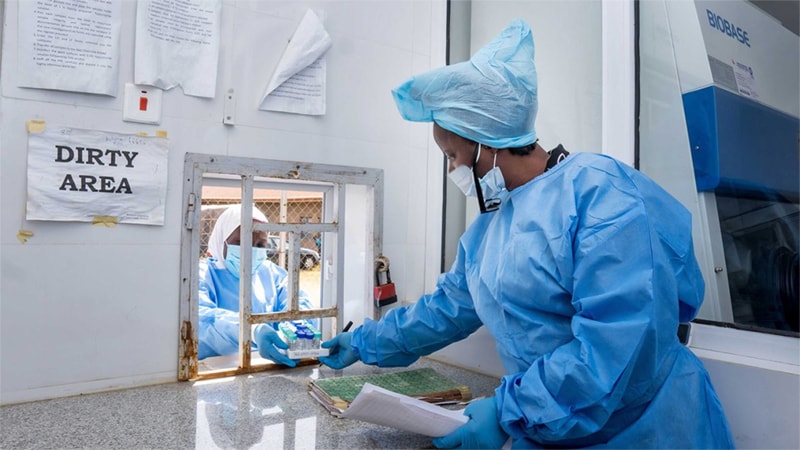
196, 167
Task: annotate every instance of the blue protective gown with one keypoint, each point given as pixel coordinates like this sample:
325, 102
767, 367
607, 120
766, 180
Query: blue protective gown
582, 277
218, 310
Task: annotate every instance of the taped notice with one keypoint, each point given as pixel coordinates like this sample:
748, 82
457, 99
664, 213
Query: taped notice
96, 176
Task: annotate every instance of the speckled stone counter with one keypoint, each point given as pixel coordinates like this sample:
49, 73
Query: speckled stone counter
270, 410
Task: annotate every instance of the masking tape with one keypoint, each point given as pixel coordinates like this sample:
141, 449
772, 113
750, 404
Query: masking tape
23, 235
35, 126
158, 133
108, 221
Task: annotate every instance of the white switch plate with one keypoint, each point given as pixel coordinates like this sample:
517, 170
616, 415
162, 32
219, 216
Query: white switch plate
142, 104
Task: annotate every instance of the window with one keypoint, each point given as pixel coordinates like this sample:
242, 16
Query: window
321, 219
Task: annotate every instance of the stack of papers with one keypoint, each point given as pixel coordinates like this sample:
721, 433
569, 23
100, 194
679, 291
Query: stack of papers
383, 407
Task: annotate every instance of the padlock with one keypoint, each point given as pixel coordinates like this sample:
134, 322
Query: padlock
385, 293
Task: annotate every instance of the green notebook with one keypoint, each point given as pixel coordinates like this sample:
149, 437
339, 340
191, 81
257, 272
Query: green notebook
425, 384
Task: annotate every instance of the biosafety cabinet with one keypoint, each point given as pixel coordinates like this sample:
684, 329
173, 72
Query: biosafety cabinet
719, 106
741, 106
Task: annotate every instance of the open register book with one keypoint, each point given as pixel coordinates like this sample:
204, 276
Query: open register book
336, 394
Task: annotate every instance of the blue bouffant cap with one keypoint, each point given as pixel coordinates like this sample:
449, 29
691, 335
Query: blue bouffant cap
491, 99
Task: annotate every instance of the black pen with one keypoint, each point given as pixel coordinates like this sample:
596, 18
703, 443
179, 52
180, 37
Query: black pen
347, 327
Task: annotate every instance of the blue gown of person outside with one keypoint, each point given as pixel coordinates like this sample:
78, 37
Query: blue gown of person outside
582, 277
218, 310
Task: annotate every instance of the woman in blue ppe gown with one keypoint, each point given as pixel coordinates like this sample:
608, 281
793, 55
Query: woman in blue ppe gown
219, 291
581, 268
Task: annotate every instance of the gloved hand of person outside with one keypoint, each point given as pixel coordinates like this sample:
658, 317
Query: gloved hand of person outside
482, 431
269, 343
341, 352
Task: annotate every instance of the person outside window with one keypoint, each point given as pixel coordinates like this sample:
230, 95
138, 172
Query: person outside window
219, 291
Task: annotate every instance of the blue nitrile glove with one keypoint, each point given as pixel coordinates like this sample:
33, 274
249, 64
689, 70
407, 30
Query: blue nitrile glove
482, 431
268, 342
342, 353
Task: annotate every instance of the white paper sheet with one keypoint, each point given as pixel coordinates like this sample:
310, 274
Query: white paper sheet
78, 175
298, 83
69, 45
745, 79
377, 405
177, 43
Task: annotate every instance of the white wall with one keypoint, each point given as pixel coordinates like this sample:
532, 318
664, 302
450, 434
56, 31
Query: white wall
86, 308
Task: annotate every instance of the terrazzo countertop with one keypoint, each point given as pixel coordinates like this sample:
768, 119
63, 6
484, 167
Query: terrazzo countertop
269, 410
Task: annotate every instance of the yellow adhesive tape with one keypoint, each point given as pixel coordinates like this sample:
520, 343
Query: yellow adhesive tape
161, 133
141, 133
23, 235
108, 221
36, 126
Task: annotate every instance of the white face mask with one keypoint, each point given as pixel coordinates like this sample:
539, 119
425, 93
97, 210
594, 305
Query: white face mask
492, 184
462, 177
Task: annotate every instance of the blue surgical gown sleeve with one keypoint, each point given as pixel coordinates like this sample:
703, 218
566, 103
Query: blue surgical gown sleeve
436, 320
218, 304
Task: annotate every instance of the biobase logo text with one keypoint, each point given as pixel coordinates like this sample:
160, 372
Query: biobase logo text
727, 27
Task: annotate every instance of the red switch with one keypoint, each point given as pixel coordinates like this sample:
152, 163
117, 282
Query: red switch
143, 102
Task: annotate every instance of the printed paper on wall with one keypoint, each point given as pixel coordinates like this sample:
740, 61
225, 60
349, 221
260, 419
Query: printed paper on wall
69, 45
177, 43
80, 175
298, 83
